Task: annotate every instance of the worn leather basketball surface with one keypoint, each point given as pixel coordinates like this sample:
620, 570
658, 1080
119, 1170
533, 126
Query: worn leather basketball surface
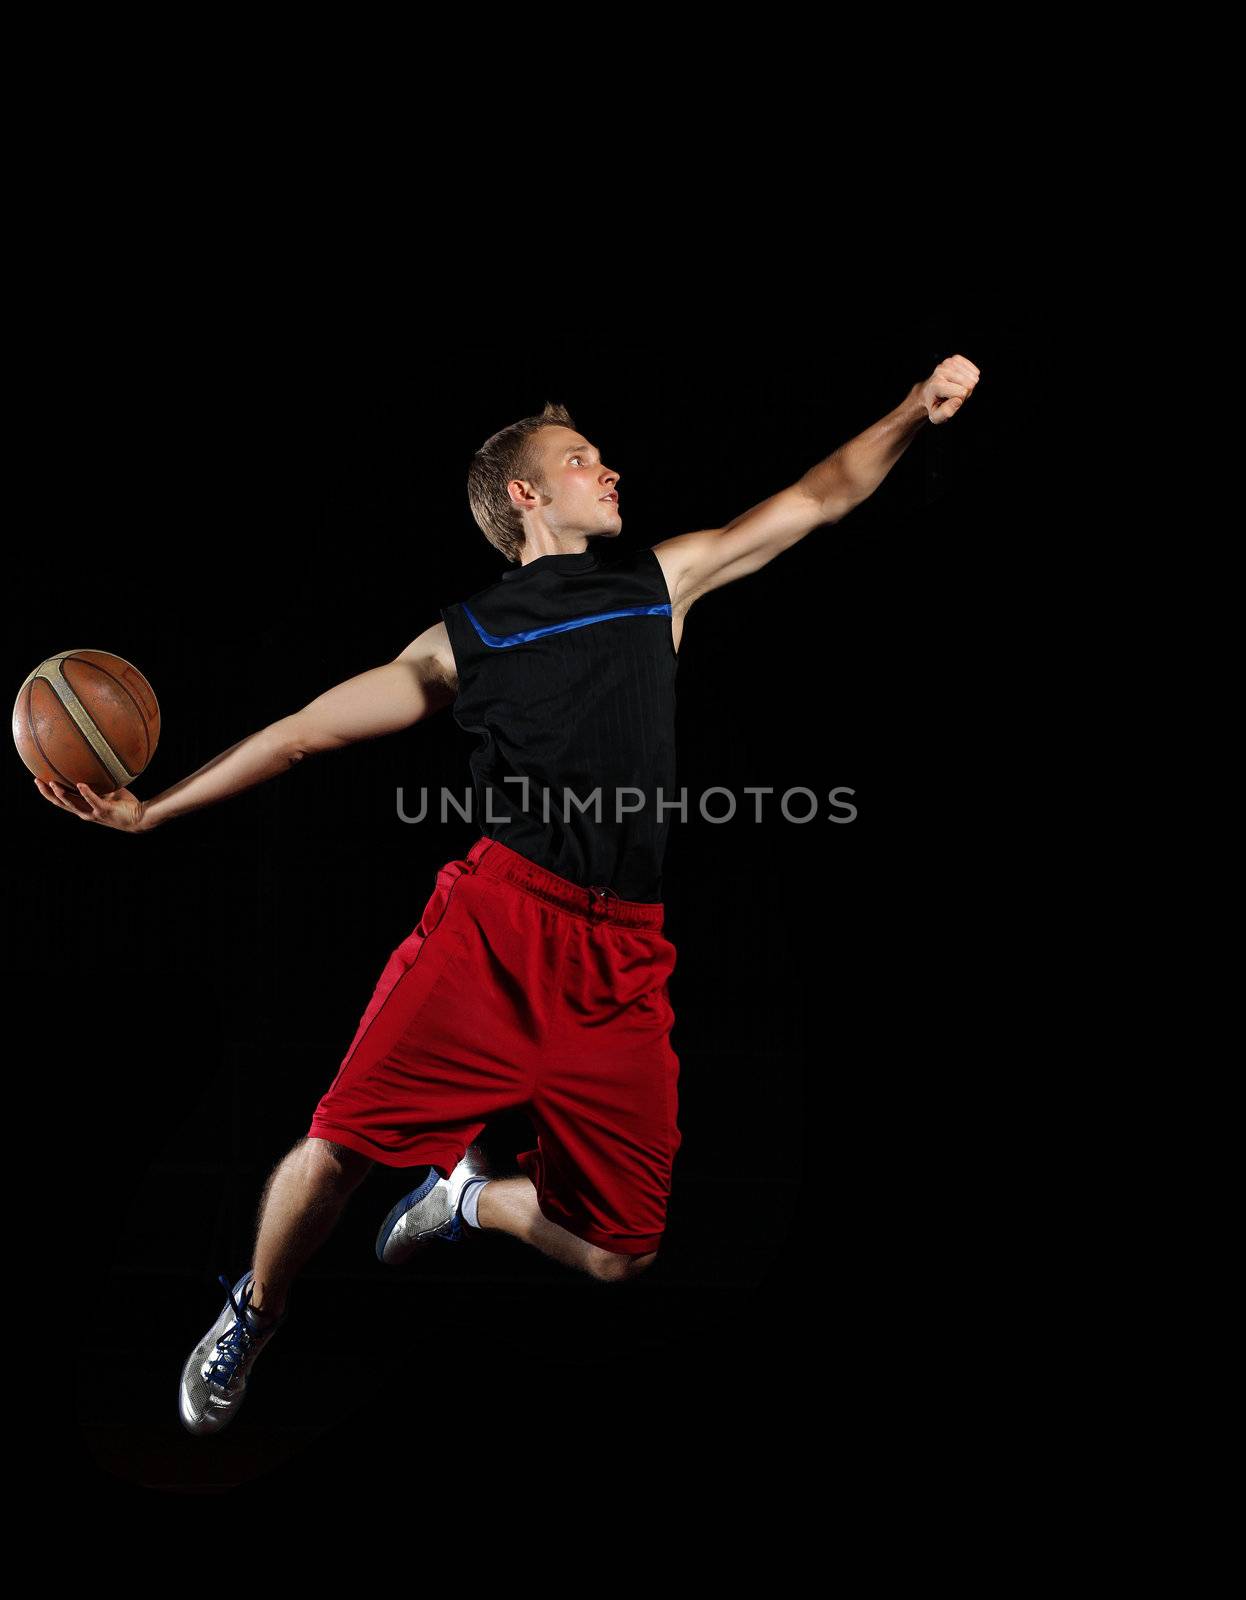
86, 716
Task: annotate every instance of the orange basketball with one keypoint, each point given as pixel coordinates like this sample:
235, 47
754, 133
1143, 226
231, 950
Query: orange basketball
86, 716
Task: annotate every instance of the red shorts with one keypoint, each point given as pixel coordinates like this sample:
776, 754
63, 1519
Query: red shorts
519, 988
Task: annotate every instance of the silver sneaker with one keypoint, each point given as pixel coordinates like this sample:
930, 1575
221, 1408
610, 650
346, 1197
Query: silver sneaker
430, 1212
214, 1379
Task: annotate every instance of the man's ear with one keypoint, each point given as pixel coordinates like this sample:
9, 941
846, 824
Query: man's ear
522, 493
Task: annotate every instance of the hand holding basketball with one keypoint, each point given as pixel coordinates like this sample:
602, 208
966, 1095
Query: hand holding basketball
120, 809
86, 723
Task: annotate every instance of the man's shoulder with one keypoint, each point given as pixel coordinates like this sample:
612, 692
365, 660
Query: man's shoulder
632, 557
610, 560
494, 586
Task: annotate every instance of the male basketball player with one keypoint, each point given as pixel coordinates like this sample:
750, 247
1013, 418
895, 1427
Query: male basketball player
537, 975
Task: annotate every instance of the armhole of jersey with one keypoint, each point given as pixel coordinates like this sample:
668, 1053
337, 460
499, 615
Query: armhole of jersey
666, 588
445, 617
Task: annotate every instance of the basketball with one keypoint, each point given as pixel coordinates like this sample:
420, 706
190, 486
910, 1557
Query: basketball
86, 716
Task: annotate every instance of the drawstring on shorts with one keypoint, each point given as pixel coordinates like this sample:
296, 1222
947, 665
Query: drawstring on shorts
599, 904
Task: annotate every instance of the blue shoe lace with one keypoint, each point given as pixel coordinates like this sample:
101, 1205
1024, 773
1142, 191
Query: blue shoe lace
234, 1344
453, 1232
458, 1228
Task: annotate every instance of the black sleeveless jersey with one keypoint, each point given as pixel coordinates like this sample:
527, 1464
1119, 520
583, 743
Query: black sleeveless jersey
567, 675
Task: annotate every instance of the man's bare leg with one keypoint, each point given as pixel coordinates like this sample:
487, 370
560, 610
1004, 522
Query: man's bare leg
302, 1201
509, 1204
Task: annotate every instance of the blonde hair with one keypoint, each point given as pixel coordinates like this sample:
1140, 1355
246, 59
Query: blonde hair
508, 454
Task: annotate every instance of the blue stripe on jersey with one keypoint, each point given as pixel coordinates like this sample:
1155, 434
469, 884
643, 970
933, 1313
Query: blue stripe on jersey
501, 641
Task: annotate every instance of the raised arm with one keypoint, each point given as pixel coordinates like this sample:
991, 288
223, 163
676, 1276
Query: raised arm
695, 563
386, 699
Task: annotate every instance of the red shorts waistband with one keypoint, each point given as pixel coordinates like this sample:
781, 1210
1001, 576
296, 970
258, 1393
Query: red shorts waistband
493, 859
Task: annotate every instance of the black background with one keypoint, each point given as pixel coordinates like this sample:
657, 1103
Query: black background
251, 509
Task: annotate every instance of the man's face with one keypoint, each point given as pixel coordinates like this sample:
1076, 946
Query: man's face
582, 492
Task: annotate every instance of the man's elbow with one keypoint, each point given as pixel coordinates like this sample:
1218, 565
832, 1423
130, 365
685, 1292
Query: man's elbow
837, 501
835, 510
299, 738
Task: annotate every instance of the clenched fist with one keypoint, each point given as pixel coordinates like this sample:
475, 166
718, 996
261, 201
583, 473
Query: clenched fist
948, 387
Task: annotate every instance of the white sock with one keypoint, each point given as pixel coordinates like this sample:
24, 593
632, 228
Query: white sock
469, 1200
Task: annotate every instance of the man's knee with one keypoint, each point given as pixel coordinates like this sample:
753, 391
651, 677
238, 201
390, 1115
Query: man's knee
612, 1267
337, 1162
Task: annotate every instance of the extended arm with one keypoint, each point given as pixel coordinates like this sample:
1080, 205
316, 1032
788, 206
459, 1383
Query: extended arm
695, 563
383, 700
